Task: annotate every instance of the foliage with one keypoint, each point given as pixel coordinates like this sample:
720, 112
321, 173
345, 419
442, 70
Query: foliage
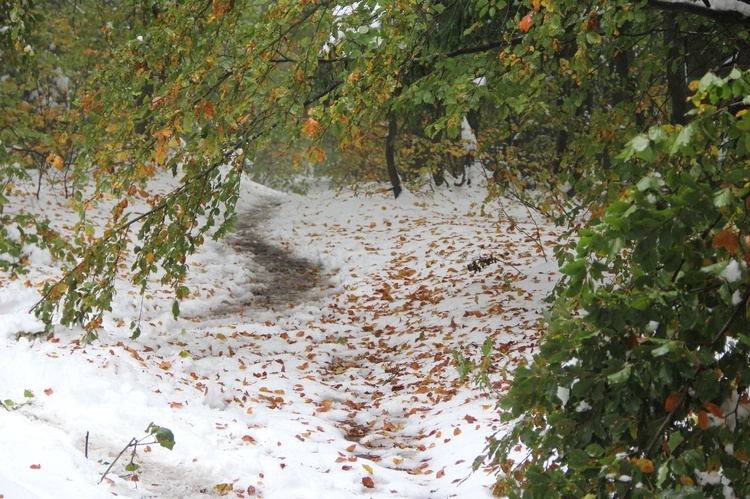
641, 386
11, 405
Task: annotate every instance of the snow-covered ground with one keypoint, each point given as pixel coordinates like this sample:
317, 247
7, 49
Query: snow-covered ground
355, 394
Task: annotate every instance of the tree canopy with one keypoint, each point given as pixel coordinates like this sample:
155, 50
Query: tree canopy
633, 112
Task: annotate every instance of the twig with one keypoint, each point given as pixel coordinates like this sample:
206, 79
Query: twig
133, 442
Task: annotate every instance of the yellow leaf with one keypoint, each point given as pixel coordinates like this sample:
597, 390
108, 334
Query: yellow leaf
223, 488
149, 258
368, 468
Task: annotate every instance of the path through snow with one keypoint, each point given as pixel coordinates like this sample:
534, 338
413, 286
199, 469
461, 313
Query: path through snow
292, 396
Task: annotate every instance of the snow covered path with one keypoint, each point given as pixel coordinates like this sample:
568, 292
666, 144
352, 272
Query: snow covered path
353, 392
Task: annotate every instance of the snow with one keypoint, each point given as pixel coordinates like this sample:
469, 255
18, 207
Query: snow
738, 6
732, 272
355, 382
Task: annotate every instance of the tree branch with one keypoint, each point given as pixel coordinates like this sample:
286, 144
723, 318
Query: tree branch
723, 16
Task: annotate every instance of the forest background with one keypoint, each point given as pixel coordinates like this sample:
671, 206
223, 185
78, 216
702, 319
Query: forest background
629, 120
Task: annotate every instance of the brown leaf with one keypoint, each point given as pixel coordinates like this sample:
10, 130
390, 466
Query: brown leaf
35, 466
713, 409
456, 431
726, 239
48, 391
367, 482
703, 420
671, 401
470, 419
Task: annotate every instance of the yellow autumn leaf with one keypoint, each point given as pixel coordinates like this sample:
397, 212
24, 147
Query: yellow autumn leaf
223, 488
368, 468
149, 258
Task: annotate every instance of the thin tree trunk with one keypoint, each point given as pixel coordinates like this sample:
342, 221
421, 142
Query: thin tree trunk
390, 153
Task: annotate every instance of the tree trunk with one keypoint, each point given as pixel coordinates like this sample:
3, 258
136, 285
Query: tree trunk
390, 153
676, 74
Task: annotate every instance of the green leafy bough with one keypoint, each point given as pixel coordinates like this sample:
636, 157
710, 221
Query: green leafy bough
640, 387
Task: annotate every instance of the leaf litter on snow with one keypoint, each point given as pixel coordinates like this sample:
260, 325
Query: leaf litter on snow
348, 394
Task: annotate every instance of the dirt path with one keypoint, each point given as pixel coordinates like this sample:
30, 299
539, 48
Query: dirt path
281, 279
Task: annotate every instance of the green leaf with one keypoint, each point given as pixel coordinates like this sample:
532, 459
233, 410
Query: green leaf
675, 439
620, 376
28, 394
594, 450
164, 436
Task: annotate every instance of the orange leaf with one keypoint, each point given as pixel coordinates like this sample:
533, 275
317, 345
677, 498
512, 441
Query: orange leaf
165, 365
248, 439
367, 482
713, 409
456, 432
526, 22
441, 473
726, 239
537, 4
351, 448
35, 466
645, 465
671, 401
57, 163
703, 420
311, 127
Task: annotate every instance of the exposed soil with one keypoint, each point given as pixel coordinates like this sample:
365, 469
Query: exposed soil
282, 280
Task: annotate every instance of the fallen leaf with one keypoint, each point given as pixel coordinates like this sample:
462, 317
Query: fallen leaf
223, 488
48, 391
35, 466
367, 482
456, 431
367, 468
